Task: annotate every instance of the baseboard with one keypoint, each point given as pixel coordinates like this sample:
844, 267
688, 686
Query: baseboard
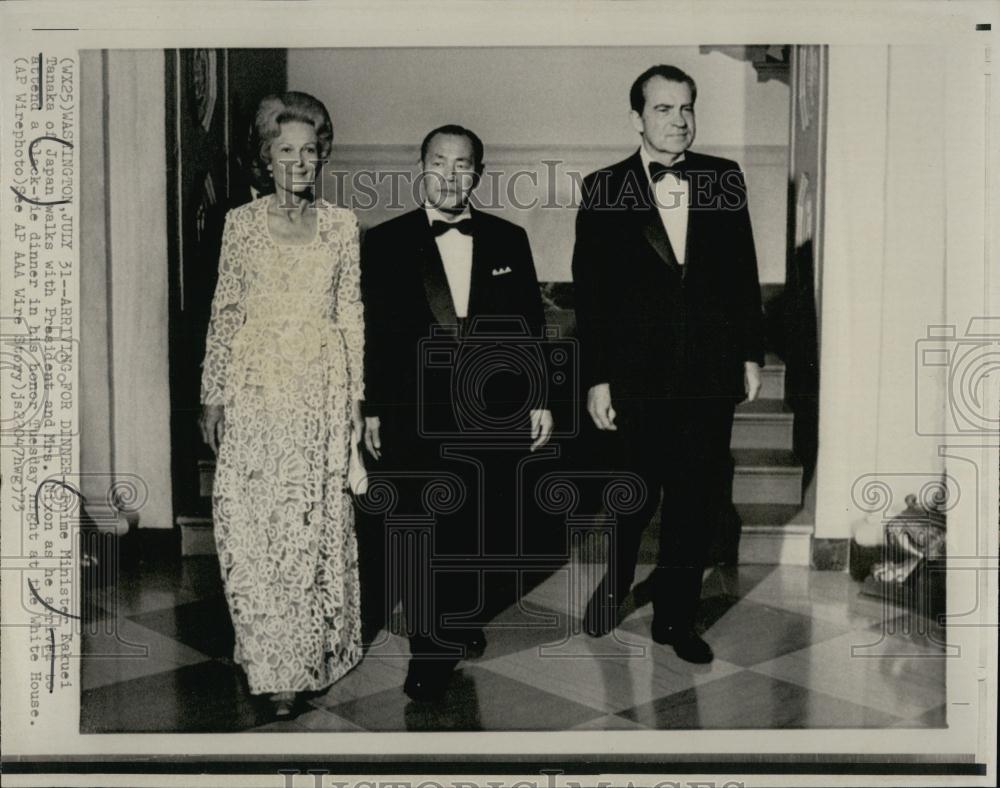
830, 554
780, 544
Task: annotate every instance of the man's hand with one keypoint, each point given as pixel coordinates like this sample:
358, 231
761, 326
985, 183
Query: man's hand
751, 380
599, 406
373, 441
213, 425
541, 427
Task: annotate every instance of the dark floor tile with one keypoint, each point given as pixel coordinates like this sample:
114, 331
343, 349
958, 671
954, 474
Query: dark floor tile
710, 610
207, 697
721, 589
750, 700
203, 625
525, 625
476, 700
128, 651
146, 587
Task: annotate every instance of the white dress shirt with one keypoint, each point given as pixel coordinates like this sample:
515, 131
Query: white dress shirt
456, 254
672, 201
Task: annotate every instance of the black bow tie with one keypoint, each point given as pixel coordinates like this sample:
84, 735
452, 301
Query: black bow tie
657, 170
464, 226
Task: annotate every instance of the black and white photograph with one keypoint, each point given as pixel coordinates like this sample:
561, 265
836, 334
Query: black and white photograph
500, 391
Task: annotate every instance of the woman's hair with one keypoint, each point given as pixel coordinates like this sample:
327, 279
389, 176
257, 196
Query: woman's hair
283, 108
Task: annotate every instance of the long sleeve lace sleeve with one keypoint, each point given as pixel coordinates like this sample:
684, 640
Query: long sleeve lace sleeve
350, 309
228, 314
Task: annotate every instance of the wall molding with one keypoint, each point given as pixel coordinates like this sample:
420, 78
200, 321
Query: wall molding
406, 155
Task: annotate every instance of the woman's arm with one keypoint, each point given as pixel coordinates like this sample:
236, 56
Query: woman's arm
228, 314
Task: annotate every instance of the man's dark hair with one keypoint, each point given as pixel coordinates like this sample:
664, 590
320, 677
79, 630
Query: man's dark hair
457, 131
637, 95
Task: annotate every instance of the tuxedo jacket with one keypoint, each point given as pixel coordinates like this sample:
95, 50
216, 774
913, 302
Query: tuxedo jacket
407, 300
647, 325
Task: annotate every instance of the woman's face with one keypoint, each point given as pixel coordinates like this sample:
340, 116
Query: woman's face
295, 157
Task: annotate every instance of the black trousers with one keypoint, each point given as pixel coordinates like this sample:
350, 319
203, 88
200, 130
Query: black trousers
679, 448
456, 521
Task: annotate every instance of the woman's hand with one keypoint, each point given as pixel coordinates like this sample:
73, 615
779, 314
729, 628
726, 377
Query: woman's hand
213, 425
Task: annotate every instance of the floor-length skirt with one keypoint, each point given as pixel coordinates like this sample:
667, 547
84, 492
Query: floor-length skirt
283, 520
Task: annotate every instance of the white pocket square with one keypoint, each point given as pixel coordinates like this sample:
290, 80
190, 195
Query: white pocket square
500, 271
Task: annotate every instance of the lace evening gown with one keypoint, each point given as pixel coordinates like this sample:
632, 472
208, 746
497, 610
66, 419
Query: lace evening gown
284, 355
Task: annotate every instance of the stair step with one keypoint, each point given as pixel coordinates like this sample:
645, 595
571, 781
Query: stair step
766, 476
206, 477
197, 537
764, 424
768, 515
772, 377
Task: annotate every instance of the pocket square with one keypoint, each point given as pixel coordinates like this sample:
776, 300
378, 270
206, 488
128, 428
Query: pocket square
500, 271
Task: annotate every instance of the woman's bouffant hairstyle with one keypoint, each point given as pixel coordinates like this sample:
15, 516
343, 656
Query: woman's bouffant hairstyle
284, 108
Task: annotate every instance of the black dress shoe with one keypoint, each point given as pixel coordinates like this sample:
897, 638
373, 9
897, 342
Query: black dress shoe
427, 681
601, 615
475, 644
688, 645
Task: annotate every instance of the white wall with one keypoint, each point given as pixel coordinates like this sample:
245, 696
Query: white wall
528, 96
125, 405
95, 395
568, 103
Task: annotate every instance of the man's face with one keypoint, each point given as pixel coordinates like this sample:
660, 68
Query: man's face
449, 172
666, 122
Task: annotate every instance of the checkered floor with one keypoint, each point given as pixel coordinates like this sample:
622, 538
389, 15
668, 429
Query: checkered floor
795, 648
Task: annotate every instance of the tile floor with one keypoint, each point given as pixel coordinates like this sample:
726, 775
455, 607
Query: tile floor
795, 648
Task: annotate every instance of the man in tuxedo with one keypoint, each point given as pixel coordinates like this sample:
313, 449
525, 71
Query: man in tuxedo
446, 288
670, 330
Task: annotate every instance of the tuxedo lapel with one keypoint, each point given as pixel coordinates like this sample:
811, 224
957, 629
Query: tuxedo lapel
480, 276
656, 237
648, 217
435, 280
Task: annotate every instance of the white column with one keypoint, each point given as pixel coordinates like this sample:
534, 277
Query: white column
140, 397
883, 283
95, 393
852, 285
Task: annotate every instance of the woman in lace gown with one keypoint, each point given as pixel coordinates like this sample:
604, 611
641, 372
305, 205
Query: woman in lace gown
281, 384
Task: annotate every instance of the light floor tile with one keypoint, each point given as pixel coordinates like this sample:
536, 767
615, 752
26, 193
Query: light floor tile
828, 596
607, 674
891, 674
